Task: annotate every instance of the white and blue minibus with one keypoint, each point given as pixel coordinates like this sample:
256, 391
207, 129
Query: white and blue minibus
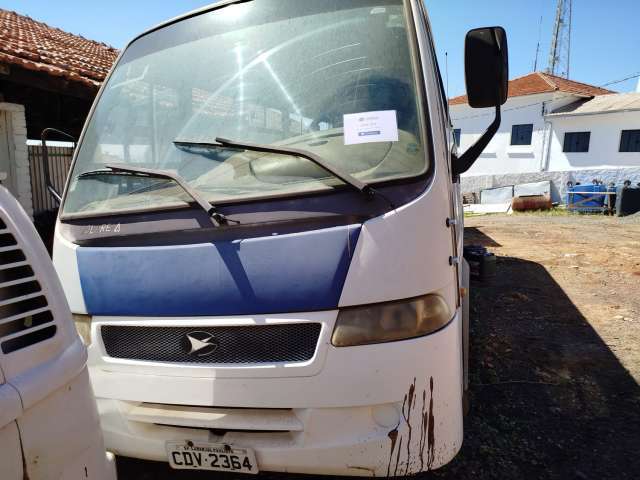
261, 239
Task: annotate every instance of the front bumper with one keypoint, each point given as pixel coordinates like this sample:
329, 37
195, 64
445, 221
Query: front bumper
373, 410
341, 441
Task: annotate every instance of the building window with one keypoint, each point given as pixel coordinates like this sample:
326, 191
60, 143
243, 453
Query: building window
576, 141
456, 136
521, 134
630, 141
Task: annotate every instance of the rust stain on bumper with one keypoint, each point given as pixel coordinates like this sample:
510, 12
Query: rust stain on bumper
427, 440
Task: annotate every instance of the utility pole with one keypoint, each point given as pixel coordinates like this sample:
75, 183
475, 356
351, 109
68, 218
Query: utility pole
560, 51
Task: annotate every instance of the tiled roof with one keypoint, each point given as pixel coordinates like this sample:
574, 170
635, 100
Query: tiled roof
36, 46
539, 82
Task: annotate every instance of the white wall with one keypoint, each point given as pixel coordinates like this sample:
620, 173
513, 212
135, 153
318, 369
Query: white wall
604, 144
20, 184
500, 156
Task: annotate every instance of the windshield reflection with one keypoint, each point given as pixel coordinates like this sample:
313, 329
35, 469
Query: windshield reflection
258, 78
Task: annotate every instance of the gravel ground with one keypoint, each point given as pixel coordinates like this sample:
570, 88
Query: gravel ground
555, 357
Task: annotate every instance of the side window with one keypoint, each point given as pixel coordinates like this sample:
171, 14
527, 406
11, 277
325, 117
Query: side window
521, 134
576, 142
457, 132
630, 141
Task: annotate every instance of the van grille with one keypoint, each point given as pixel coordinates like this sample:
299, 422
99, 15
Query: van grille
25, 318
235, 345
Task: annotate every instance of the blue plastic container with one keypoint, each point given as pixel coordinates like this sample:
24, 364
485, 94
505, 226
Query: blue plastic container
588, 198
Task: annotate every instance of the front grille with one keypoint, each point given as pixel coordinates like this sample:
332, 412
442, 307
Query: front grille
294, 342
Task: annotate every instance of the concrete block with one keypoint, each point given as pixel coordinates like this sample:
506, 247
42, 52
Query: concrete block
18, 120
11, 107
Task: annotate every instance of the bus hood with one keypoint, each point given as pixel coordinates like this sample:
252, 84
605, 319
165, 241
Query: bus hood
276, 274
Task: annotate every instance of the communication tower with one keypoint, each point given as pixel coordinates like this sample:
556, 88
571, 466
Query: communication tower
560, 51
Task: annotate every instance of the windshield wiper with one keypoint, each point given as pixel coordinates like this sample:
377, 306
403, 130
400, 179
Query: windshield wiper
347, 178
216, 217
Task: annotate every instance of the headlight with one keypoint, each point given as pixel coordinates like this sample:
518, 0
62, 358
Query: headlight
387, 322
83, 326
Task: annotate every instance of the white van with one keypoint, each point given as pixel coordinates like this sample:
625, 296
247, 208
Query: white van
49, 426
260, 239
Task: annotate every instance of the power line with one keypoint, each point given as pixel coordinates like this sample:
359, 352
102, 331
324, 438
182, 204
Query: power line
635, 75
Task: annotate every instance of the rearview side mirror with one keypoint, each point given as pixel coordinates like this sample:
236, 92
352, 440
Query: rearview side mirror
487, 78
486, 65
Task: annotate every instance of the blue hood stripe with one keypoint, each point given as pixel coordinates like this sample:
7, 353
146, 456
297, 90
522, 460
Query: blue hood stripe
279, 274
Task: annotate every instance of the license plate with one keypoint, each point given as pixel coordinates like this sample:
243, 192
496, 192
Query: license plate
211, 456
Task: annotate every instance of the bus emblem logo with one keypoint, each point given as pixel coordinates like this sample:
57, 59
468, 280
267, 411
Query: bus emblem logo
199, 344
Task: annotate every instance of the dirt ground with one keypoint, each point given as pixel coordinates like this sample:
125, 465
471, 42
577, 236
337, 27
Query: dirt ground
555, 354
555, 350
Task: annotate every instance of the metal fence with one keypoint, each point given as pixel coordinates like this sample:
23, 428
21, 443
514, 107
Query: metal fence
59, 165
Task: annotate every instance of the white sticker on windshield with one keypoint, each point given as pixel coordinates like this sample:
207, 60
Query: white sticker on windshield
370, 127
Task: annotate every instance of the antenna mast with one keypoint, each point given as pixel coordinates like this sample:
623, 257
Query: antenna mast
560, 51
535, 63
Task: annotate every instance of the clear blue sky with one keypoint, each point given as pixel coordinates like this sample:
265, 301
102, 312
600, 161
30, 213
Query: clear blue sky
605, 43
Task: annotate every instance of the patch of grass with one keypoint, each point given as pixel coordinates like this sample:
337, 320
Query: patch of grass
554, 212
471, 214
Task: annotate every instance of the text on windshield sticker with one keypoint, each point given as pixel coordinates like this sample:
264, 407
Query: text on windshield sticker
370, 127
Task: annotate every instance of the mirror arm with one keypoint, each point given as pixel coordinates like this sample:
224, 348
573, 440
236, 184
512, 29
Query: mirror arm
45, 156
467, 159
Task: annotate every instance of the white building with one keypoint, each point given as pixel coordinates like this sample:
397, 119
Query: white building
553, 129
602, 133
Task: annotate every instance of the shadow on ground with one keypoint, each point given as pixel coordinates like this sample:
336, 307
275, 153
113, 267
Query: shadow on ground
475, 236
549, 400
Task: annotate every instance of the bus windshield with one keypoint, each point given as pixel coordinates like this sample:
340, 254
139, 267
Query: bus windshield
336, 78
